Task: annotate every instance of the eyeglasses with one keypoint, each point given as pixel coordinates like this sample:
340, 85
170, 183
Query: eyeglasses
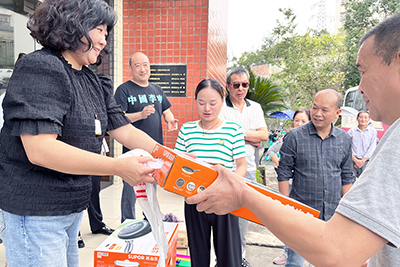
237, 85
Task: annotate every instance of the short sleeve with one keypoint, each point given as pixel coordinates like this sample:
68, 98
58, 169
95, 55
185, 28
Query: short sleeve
116, 116
165, 103
38, 95
121, 96
239, 150
180, 142
222, 113
374, 199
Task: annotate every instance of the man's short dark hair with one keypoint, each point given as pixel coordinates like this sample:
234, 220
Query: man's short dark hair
61, 24
361, 112
387, 38
339, 101
238, 71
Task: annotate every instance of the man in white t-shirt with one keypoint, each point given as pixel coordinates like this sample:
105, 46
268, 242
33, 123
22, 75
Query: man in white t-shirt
250, 116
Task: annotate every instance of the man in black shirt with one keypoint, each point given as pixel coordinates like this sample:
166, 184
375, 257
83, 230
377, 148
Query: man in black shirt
144, 104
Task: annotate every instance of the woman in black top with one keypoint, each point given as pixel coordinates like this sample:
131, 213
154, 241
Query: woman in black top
55, 116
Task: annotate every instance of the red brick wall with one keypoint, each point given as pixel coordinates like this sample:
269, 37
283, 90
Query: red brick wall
217, 40
178, 31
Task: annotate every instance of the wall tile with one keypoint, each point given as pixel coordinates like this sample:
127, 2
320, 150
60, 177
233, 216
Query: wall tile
178, 31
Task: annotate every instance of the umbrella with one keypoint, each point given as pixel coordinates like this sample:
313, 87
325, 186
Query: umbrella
284, 114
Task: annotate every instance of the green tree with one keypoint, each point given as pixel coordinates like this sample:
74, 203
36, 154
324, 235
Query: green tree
361, 15
270, 96
246, 59
301, 64
306, 63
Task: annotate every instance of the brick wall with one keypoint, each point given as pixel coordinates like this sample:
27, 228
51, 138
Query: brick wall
178, 31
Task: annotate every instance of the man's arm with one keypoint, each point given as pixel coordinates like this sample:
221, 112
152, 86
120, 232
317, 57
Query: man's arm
141, 115
338, 242
346, 168
346, 188
254, 137
275, 159
273, 152
170, 120
286, 163
284, 188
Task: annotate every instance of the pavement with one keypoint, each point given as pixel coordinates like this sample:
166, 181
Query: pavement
262, 246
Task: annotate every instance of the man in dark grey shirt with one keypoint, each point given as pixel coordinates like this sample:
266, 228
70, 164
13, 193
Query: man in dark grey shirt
317, 156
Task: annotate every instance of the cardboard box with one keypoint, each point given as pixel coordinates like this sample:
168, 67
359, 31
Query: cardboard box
182, 251
182, 239
185, 176
181, 174
133, 244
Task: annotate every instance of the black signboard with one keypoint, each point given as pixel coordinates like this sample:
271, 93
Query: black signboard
171, 78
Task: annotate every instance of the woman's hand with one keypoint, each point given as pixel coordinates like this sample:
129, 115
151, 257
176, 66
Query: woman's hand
132, 170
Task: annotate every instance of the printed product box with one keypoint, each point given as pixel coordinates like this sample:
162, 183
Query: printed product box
133, 244
185, 176
182, 239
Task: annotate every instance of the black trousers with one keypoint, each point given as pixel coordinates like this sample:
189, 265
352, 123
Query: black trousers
94, 210
226, 236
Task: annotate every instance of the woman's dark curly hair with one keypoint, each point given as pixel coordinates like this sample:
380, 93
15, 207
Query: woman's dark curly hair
61, 24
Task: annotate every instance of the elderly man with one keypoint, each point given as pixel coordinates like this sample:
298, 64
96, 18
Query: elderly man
364, 142
367, 221
250, 116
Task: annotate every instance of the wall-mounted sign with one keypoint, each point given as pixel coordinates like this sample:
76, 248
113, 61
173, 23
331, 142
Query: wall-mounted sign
171, 77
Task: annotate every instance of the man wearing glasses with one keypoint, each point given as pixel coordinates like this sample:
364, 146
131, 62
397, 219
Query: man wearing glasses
250, 116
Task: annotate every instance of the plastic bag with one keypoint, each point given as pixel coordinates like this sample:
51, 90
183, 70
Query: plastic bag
147, 198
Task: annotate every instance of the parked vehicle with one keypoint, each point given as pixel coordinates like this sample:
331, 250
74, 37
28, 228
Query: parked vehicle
5, 75
353, 104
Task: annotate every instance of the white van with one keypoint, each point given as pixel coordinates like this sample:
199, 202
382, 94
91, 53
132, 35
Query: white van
353, 104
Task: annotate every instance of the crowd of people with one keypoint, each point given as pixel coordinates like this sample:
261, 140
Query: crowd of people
57, 112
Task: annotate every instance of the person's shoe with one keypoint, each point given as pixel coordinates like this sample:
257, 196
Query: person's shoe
281, 260
245, 263
81, 244
106, 230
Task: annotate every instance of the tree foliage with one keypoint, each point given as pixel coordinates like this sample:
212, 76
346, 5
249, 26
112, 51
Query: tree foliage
263, 91
306, 63
361, 15
301, 64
